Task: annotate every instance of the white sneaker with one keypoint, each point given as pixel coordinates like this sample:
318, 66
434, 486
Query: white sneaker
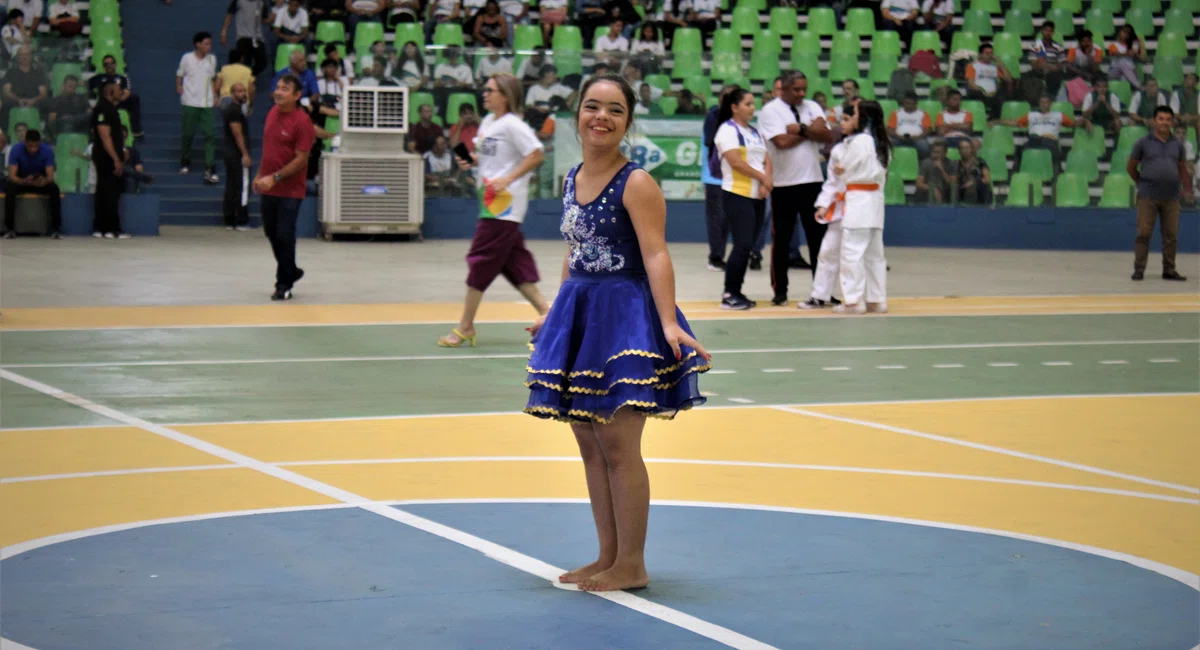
860, 308
109, 235
98, 235
877, 307
184, 169
124, 235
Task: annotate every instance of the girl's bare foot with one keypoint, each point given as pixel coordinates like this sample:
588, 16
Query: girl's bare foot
583, 572
616, 578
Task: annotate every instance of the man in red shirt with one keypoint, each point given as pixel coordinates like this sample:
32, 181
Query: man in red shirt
287, 139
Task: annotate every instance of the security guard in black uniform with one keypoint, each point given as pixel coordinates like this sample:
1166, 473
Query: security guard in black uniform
108, 156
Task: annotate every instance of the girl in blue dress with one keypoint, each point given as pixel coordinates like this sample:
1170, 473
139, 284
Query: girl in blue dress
613, 349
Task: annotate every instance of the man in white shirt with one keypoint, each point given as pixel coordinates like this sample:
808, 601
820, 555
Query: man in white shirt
198, 85
794, 128
32, 9
291, 24
612, 40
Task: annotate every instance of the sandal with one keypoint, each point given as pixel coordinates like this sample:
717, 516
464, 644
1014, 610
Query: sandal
446, 343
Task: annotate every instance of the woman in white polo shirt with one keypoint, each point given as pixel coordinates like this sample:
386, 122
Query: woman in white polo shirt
745, 186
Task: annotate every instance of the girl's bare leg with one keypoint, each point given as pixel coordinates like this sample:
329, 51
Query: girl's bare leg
466, 326
621, 442
530, 291
596, 469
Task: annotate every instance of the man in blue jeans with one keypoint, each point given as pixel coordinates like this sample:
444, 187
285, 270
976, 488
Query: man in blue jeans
31, 171
287, 139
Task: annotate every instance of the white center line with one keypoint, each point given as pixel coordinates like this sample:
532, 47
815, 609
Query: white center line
834, 368
489, 549
1113, 362
741, 400
705, 393
721, 372
1003, 364
778, 370
1164, 361
890, 367
948, 365
1057, 363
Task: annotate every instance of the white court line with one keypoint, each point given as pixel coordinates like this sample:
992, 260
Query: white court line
991, 448
741, 400
1114, 362
835, 368
1164, 361
721, 372
706, 407
779, 370
1003, 364
948, 365
494, 551
525, 355
1057, 363
652, 461
893, 367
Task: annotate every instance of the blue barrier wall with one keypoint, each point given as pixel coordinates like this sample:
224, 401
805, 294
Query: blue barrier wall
933, 226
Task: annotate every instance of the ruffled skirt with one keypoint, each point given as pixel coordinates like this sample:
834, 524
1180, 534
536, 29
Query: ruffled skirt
602, 348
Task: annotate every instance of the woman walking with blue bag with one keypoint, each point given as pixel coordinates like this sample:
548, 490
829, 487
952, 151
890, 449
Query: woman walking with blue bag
745, 185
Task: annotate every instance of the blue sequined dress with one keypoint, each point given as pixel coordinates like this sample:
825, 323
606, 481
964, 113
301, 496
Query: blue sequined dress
601, 347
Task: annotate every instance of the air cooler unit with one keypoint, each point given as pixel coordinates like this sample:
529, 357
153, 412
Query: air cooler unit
371, 184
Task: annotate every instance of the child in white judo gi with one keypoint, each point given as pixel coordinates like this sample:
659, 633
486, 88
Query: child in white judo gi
851, 202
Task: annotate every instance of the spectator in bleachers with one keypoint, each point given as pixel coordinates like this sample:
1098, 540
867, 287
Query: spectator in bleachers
197, 83
1102, 108
551, 14
329, 86
974, 177
69, 110
298, 67
246, 16
689, 104
704, 15
18, 135
589, 14
423, 133
237, 159
402, 11
645, 103
345, 68
453, 74
25, 85
1185, 101
441, 11
1145, 101
64, 18
361, 11
440, 170
291, 24
491, 27
1084, 59
909, 126
516, 12
492, 64
530, 70
32, 10
901, 16
14, 34
1125, 52
471, 10
376, 75
135, 173
938, 16
1047, 58
669, 17
647, 49
319, 10
465, 130
1044, 127
612, 40
233, 73
378, 51
850, 97
126, 99
987, 80
936, 176
1157, 165
633, 76
543, 99
954, 124
31, 171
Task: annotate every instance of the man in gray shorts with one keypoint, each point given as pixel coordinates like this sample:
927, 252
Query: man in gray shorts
1163, 172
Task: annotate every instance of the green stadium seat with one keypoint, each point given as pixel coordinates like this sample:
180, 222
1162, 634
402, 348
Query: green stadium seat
1100, 22
1130, 135
687, 40
1074, 6
369, 32
1032, 6
886, 42
978, 113
845, 43
1142, 21
568, 61
843, 67
1018, 21
1122, 90
1171, 44
668, 105
784, 22
860, 21
883, 64
1118, 191
1186, 5
27, 115
687, 64
757, 5
414, 33
660, 81
331, 31
1085, 163
1038, 163
926, 40
931, 107
866, 89
990, 6
906, 165
568, 37
1180, 21
1064, 21
525, 37
334, 126
727, 40
766, 40
726, 66
416, 101
455, 101
806, 42
1066, 108
952, 153
888, 106
1090, 142
283, 54
764, 66
1071, 191
745, 20
999, 138
1013, 109
128, 124
997, 163
1013, 63
822, 21
1152, 6
978, 22
964, 41
817, 84
1119, 160
1168, 70
809, 64
698, 85
1024, 191
893, 191
1008, 44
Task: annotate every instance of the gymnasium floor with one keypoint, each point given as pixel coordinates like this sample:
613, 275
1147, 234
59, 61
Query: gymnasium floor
1008, 473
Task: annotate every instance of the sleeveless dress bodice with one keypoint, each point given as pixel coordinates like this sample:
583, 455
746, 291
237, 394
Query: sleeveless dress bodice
600, 233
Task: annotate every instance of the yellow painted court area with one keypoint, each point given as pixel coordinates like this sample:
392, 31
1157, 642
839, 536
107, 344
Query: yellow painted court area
299, 314
848, 467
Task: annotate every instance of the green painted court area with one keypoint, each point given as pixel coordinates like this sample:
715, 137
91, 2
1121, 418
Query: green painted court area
221, 374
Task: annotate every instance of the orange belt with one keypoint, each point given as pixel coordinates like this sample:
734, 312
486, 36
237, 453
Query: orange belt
841, 196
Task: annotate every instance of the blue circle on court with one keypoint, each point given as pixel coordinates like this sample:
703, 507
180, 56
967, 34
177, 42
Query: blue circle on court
347, 578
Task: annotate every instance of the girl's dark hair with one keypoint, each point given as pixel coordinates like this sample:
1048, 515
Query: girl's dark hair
626, 91
728, 101
642, 32
417, 58
870, 121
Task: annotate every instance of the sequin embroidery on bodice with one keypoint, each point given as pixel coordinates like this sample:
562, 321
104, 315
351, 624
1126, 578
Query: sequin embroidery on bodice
600, 234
